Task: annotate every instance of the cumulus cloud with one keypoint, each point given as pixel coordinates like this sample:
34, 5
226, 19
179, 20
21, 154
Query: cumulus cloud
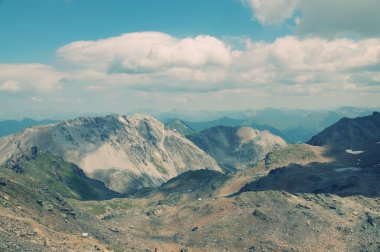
146, 52
308, 62
28, 77
152, 61
324, 18
145, 59
273, 11
158, 62
312, 54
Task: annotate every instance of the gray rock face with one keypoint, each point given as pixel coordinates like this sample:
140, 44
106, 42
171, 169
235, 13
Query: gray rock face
237, 147
124, 152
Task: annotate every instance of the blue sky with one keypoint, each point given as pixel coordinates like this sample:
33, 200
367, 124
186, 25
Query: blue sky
33, 30
98, 56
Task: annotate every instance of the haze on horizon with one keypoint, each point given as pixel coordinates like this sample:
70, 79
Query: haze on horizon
94, 56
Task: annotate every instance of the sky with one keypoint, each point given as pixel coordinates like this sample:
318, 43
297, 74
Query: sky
63, 57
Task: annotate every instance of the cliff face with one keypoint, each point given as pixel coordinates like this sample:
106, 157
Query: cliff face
124, 152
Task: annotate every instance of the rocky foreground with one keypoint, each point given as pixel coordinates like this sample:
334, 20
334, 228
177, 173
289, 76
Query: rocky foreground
200, 210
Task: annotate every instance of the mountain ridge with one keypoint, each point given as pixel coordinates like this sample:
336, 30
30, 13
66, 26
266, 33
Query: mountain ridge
125, 152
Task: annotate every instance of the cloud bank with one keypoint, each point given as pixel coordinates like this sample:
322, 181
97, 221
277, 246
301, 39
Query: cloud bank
153, 63
157, 61
16, 78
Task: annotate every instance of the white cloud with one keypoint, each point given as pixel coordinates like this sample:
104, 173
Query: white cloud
272, 11
28, 77
288, 66
313, 54
324, 18
159, 62
306, 66
146, 52
10, 86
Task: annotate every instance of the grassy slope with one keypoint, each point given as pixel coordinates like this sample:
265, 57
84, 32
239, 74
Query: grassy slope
52, 172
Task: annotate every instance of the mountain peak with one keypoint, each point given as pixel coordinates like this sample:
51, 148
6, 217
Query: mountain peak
237, 147
125, 152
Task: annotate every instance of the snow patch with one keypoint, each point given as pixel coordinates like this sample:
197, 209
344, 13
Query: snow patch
347, 169
349, 151
121, 119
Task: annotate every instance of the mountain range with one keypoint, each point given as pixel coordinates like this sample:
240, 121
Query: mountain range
125, 152
132, 183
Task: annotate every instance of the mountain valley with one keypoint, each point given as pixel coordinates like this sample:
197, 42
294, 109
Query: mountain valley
289, 197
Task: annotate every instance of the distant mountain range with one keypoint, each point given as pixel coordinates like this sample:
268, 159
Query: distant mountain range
132, 152
295, 126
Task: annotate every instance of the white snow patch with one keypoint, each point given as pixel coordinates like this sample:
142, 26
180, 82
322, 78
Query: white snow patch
349, 151
347, 169
121, 119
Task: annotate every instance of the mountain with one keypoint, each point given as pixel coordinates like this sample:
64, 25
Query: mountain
180, 126
12, 126
237, 147
45, 170
223, 121
342, 181
289, 201
293, 125
125, 152
350, 133
356, 140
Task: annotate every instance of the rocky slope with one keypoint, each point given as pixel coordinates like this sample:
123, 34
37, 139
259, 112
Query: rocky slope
124, 152
357, 141
350, 133
45, 170
237, 147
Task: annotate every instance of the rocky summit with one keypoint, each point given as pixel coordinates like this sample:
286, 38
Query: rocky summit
125, 152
